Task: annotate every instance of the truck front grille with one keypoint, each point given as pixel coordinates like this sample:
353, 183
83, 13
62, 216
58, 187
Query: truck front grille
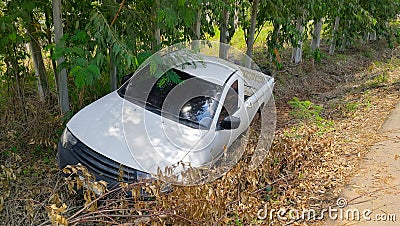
103, 165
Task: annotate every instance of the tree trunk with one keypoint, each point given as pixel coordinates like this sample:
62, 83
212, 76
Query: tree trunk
156, 28
157, 37
49, 41
37, 58
18, 89
40, 71
372, 36
223, 38
316, 40
252, 31
236, 15
345, 41
197, 29
113, 66
61, 75
113, 72
335, 28
297, 50
366, 37
197, 25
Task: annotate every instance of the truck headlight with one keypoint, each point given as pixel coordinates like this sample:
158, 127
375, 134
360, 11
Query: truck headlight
68, 141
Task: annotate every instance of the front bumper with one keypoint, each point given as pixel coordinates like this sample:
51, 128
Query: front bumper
102, 167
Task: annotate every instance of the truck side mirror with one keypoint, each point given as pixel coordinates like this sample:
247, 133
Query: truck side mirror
230, 122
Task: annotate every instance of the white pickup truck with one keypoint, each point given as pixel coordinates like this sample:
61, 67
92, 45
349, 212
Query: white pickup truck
146, 125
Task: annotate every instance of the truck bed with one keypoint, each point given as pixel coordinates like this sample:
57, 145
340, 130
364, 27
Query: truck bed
255, 81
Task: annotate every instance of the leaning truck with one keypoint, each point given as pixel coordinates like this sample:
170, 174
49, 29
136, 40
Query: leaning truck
150, 123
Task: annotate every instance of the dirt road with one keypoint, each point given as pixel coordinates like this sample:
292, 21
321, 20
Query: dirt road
373, 195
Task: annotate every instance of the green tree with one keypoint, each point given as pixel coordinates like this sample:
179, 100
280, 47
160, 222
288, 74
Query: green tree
384, 14
251, 24
19, 21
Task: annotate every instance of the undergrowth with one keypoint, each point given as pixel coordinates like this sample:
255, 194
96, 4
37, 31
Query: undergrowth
308, 112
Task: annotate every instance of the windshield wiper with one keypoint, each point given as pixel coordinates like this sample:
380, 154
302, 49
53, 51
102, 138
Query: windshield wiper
152, 107
145, 104
192, 122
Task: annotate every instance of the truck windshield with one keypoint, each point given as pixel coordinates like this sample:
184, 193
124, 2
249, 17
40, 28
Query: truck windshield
191, 102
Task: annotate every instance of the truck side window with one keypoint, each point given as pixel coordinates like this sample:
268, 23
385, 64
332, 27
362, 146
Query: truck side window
231, 101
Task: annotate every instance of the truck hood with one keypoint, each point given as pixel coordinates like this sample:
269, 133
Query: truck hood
137, 138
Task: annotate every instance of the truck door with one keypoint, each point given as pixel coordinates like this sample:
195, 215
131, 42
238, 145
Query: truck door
232, 105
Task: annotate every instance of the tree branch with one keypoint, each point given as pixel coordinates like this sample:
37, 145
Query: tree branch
116, 15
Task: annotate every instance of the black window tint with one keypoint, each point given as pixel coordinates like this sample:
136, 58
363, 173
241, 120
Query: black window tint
231, 101
232, 98
195, 112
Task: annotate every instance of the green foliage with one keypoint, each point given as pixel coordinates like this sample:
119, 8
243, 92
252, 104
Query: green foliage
76, 49
352, 107
310, 112
176, 19
169, 78
317, 55
14, 73
106, 37
245, 10
282, 15
378, 80
91, 41
87, 52
238, 222
357, 18
392, 34
305, 110
141, 57
368, 53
